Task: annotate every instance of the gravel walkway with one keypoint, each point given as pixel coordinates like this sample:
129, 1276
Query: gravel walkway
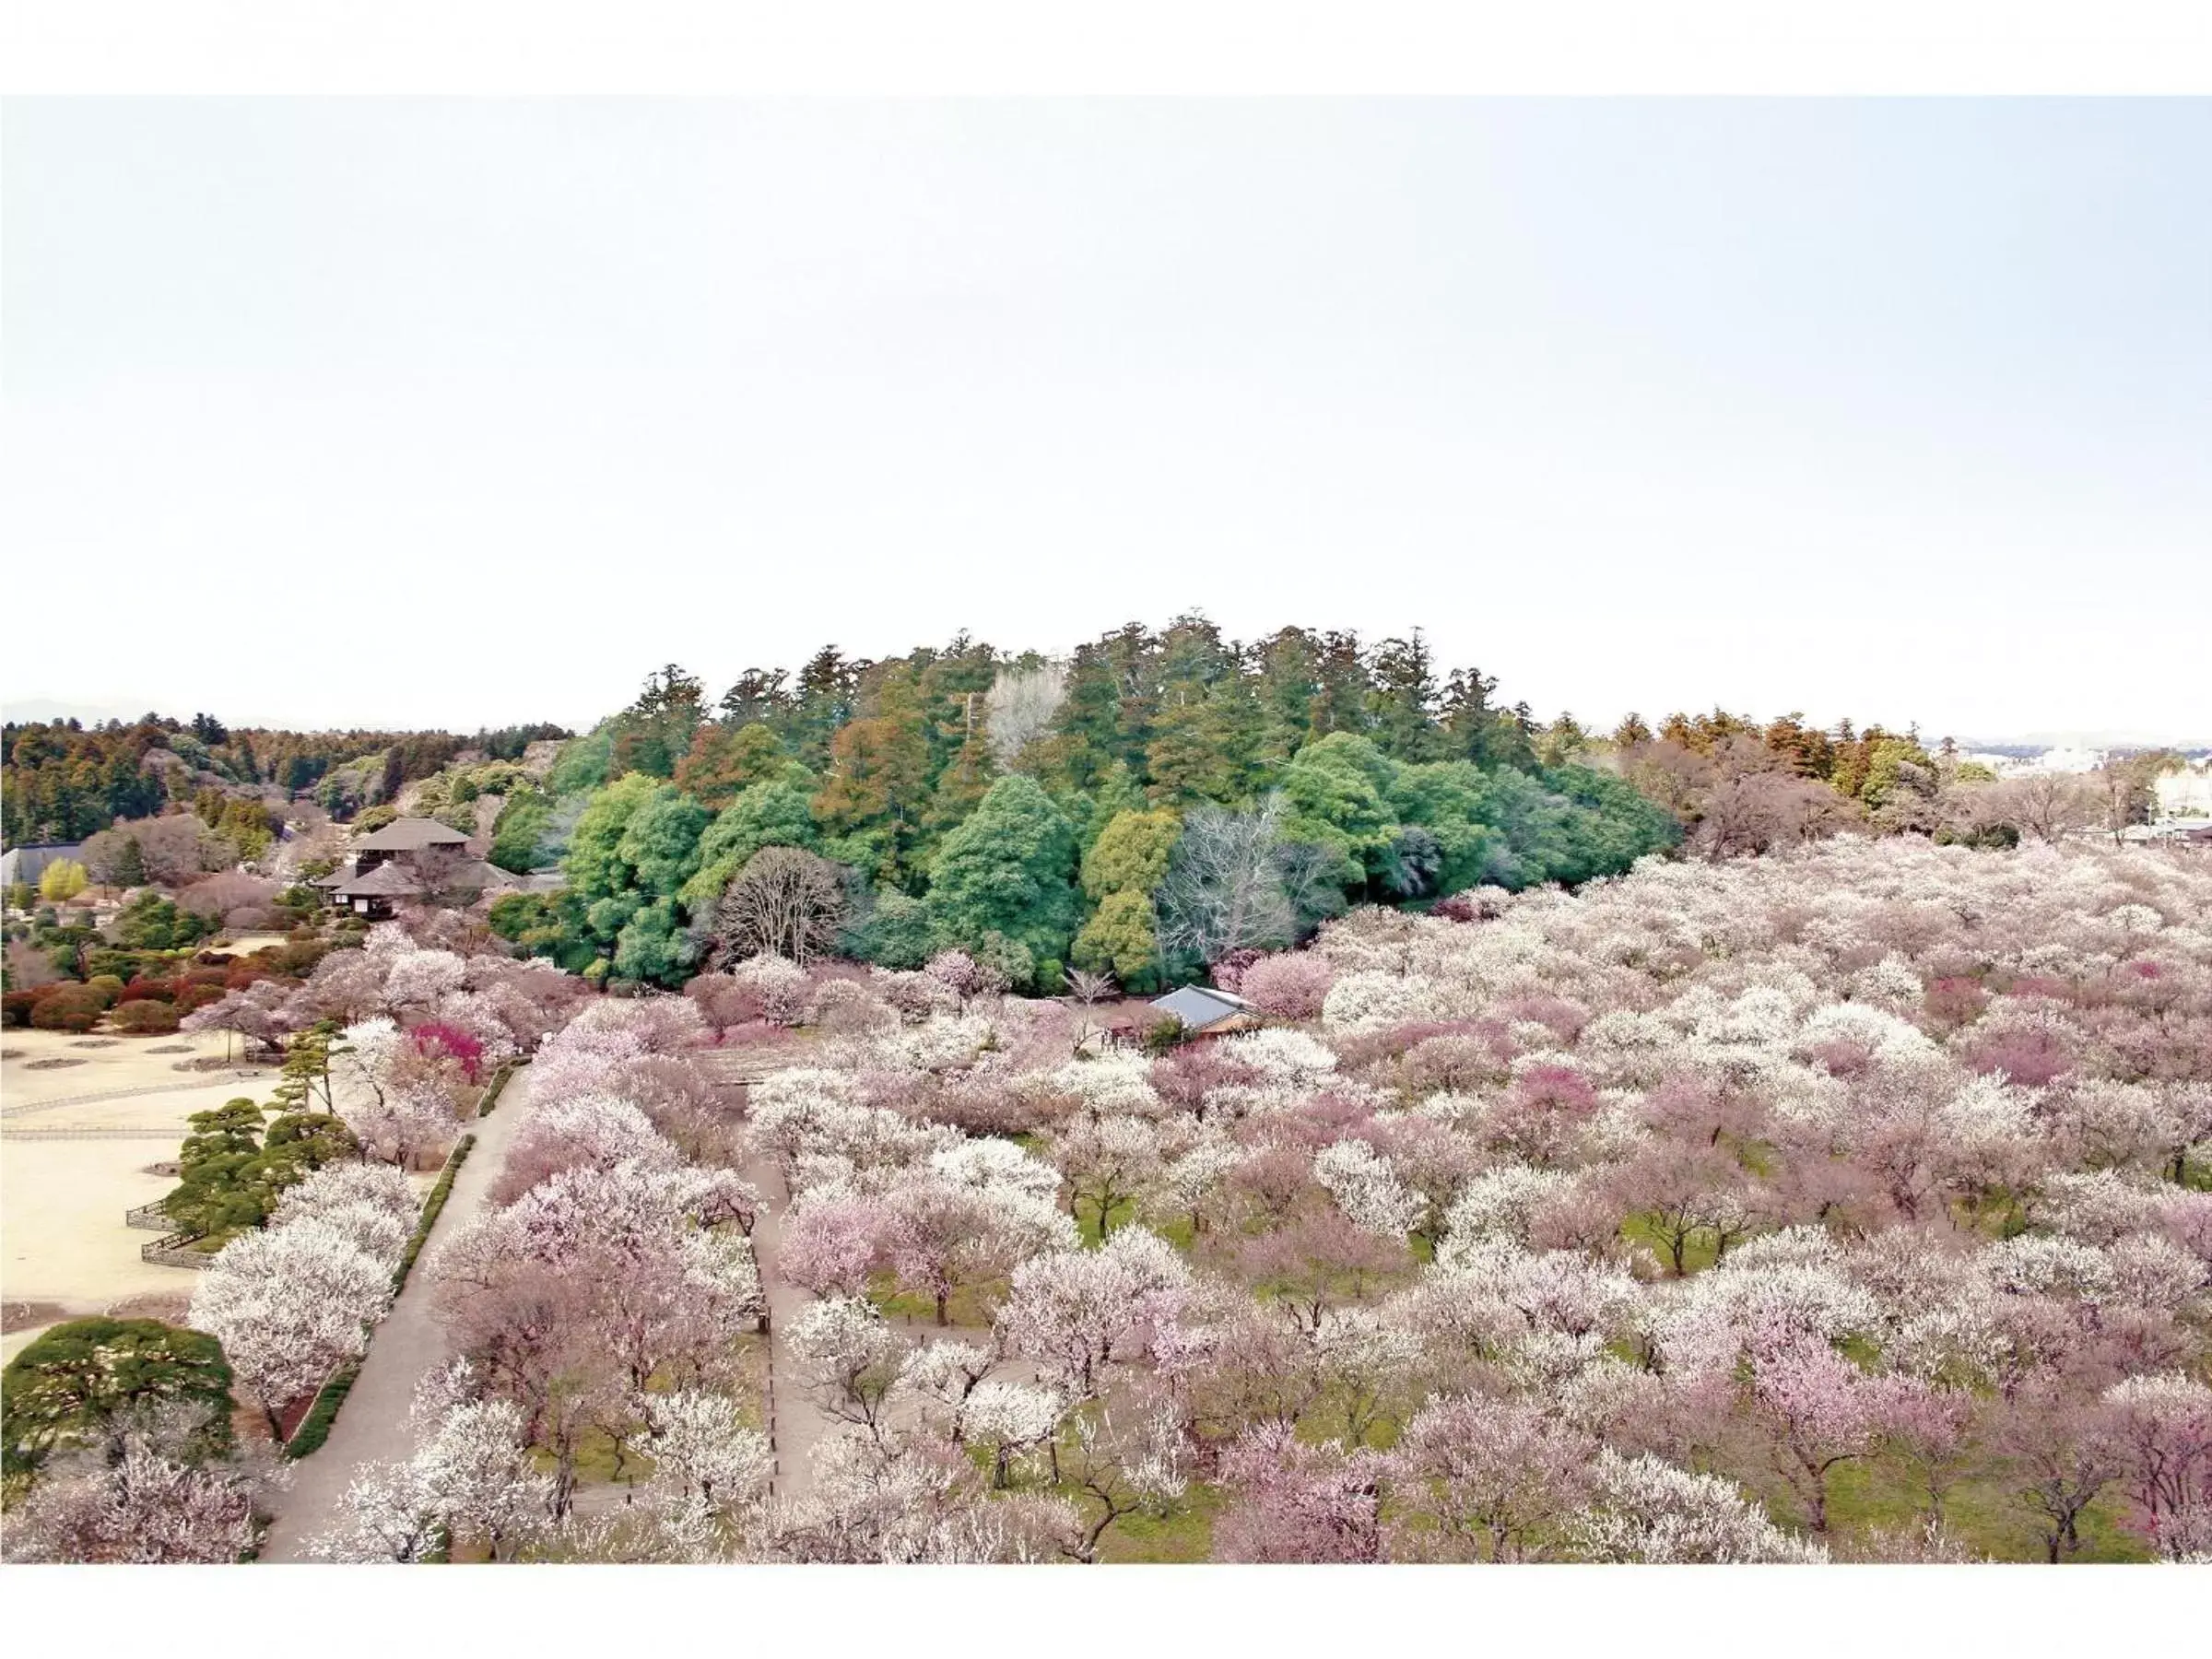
373, 1426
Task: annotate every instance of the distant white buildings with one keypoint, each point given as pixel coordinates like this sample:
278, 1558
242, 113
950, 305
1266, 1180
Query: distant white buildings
2070, 761
2185, 793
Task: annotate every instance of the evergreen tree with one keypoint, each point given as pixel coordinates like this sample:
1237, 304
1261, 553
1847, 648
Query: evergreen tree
1131, 854
1009, 870
828, 685
69, 1384
950, 687
875, 794
1336, 795
1477, 731
756, 695
1085, 735
655, 732
1123, 866
1402, 706
130, 864
962, 784
1236, 730
1121, 938
1341, 685
635, 847
1180, 760
776, 812
724, 760
1288, 683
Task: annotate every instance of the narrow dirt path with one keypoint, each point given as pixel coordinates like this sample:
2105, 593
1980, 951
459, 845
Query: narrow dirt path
373, 1426
795, 1425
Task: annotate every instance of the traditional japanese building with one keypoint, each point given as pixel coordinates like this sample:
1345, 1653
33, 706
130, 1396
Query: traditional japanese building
1204, 1010
410, 858
370, 893
405, 835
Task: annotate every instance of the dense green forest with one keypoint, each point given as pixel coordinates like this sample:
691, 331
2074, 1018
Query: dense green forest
63, 781
1152, 803
1155, 801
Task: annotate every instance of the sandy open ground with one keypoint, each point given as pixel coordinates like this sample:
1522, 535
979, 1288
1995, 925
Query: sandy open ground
69, 1167
100, 1064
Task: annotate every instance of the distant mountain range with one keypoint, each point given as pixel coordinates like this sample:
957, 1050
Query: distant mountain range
2035, 743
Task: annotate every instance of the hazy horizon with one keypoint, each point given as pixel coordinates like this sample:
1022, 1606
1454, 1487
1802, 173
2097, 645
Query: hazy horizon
418, 413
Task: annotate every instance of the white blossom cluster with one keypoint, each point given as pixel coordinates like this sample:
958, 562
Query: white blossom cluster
293, 1299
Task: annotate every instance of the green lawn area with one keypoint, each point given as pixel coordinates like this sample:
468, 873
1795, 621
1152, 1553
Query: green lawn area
969, 1306
1176, 1230
1980, 1511
1698, 1253
1186, 1535
595, 1461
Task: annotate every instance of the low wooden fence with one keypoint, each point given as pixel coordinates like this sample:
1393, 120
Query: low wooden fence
152, 1217
174, 1252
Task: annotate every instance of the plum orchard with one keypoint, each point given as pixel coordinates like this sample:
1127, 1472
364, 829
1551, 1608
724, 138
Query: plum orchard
1721, 1212
1850, 1203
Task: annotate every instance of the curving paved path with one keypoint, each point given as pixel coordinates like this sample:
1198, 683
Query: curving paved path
372, 1425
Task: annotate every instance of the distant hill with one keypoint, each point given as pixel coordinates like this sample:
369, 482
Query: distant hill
2036, 743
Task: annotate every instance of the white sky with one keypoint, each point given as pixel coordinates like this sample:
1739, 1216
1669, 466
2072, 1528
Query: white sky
369, 412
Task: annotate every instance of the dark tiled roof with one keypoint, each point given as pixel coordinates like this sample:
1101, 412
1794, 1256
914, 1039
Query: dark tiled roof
386, 881
29, 862
412, 835
1199, 1007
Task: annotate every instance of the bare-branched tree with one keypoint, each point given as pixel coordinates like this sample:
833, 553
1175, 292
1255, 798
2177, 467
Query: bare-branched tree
1090, 989
1020, 709
786, 901
1224, 888
1757, 811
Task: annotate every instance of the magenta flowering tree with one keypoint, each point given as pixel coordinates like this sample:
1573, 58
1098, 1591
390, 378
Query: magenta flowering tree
434, 1038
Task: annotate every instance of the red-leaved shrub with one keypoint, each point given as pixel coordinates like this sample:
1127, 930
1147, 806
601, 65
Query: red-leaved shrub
144, 1018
